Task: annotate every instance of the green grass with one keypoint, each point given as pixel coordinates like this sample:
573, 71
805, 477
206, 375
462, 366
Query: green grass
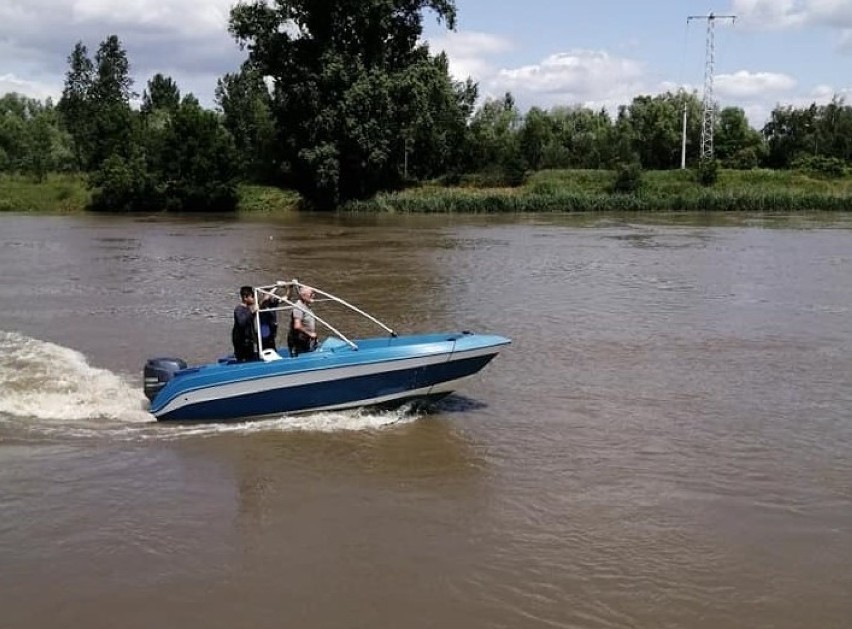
545, 191
589, 191
266, 199
680, 181
64, 193
57, 193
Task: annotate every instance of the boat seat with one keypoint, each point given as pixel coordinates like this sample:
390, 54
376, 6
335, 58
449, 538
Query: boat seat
269, 355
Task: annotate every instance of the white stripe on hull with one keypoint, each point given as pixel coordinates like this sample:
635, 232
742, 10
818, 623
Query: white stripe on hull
443, 388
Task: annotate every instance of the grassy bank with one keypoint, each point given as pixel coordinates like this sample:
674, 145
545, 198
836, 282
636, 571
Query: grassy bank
57, 193
545, 191
67, 193
266, 199
589, 191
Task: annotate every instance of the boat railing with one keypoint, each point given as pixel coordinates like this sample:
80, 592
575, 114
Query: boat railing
286, 302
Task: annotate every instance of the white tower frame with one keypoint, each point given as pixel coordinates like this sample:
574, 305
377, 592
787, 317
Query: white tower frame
708, 122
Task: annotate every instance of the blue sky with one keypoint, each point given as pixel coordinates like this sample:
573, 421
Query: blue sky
604, 52
599, 53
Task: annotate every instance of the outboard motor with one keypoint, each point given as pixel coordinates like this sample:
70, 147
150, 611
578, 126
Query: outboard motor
158, 371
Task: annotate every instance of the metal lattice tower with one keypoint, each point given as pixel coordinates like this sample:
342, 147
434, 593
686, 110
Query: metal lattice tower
708, 122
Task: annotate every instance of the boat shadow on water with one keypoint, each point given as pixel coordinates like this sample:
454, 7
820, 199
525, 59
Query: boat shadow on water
455, 403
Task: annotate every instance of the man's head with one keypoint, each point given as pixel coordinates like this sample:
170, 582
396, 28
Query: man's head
246, 292
306, 293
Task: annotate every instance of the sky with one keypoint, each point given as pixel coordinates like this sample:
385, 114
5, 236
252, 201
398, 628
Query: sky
547, 53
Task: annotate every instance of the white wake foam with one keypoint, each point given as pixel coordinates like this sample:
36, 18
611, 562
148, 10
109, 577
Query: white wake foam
45, 381
328, 422
52, 390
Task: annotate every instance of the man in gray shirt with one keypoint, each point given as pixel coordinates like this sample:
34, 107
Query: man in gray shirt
302, 336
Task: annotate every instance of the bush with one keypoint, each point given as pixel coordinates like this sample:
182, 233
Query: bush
829, 167
514, 170
628, 178
123, 185
708, 172
63, 193
744, 159
450, 179
497, 177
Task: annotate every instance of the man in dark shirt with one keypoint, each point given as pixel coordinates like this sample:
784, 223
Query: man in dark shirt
243, 334
268, 322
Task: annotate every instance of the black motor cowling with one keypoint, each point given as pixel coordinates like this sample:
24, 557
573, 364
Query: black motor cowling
158, 371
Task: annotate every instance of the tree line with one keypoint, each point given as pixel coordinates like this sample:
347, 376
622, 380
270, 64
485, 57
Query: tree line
343, 100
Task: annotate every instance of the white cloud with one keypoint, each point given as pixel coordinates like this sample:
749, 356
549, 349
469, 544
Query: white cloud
759, 109
33, 89
790, 13
589, 77
593, 78
823, 94
835, 13
745, 84
471, 44
469, 52
770, 13
190, 18
186, 39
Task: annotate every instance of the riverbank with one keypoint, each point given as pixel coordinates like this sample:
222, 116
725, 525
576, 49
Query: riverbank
58, 193
67, 194
544, 191
590, 191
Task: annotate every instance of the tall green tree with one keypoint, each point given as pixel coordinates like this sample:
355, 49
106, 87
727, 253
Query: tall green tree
197, 171
41, 138
160, 102
75, 104
536, 135
494, 132
162, 93
791, 134
432, 111
246, 105
30, 139
16, 114
13, 141
658, 128
582, 135
736, 144
109, 103
834, 130
186, 162
347, 91
621, 140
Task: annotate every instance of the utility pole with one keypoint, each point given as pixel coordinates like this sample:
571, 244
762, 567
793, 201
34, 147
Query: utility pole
709, 118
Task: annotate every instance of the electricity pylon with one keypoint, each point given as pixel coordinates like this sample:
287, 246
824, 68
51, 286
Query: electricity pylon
709, 118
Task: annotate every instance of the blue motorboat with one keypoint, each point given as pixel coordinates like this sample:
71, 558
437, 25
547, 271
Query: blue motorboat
341, 373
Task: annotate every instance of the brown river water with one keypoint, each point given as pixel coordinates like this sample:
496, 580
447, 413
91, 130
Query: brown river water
667, 443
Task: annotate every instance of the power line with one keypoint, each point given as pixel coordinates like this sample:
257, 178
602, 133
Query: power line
708, 122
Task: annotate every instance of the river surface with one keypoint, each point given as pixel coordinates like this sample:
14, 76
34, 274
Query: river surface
667, 443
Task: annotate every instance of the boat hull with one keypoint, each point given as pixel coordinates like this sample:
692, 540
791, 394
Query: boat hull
383, 372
